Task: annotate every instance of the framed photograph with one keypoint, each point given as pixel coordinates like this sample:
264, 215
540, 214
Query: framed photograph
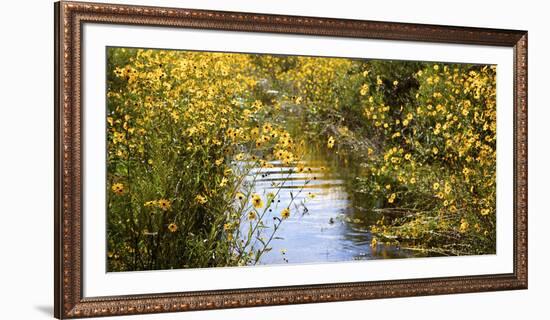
209, 159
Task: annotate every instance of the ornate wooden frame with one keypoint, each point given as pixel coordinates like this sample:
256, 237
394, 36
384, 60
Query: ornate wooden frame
69, 300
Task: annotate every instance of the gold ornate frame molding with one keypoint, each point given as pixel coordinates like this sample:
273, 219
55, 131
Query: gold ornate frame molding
69, 19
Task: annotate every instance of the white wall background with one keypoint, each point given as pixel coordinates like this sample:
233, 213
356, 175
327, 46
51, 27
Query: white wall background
26, 158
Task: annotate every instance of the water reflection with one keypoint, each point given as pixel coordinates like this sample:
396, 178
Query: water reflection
324, 225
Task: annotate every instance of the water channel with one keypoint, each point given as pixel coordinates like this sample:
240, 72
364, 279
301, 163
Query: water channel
329, 227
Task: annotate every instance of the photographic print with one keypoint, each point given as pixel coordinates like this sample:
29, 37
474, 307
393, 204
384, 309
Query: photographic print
210, 159
219, 159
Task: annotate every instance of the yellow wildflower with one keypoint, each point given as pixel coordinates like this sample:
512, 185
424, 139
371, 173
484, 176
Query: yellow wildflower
172, 227
255, 132
285, 213
223, 183
164, 204
267, 127
463, 226
239, 157
150, 203
257, 201
240, 196
447, 188
201, 199
330, 142
118, 188
373, 243
364, 89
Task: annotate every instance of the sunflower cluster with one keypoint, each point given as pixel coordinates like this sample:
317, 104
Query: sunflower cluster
183, 130
439, 154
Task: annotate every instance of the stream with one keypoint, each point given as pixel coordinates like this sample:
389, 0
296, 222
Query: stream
328, 228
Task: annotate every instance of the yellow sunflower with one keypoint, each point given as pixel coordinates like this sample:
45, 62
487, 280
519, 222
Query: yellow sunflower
330, 142
172, 227
201, 199
118, 188
164, 204
240, 196
285, 213
257, 201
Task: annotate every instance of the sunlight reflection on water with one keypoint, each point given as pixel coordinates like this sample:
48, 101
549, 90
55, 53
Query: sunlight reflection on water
325, 231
